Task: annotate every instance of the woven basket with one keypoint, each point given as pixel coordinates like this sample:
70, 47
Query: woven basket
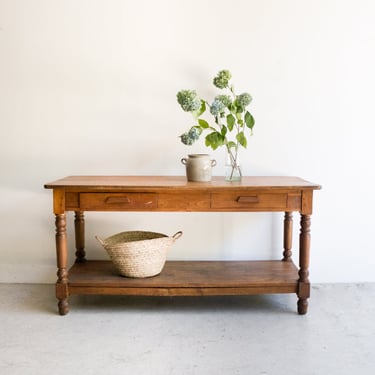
138, 253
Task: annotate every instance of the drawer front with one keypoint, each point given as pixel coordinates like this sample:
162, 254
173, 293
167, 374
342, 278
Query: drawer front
117, 201
184, 202
245, 201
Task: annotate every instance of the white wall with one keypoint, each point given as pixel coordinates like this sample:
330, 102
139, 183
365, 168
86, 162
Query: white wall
88, 87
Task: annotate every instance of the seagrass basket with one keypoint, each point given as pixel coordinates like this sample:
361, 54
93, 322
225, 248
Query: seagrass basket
138, 253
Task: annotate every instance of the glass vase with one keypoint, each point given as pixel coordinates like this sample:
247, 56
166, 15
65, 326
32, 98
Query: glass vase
232, 165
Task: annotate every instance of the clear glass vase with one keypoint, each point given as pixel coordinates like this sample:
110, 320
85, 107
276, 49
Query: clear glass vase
232, 165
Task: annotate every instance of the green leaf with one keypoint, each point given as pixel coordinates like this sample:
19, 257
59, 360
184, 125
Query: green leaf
231, 120
239, 108
214, 140
233, 107
241, 138
204, 124
249, 120
224, 130
231, 144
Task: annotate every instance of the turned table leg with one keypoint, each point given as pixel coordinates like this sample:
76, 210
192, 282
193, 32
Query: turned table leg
79, 227
62, 272
304, 258
288, 235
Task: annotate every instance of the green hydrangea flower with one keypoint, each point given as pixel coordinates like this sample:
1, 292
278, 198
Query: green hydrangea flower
244, 99
186, 139
188, 100
217, 107
194, 133
191, 136
225, 99
222, 79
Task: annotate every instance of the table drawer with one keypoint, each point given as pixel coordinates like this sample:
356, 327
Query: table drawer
184, 202
117, 201
245, 201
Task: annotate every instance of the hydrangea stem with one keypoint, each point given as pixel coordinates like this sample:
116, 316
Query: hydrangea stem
234, 161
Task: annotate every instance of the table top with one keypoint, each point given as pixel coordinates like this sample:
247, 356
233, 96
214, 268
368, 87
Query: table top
180, 182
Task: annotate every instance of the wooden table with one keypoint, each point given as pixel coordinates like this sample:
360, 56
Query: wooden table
175, 194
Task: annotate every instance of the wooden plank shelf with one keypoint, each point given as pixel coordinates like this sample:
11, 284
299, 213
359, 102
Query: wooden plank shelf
188, 278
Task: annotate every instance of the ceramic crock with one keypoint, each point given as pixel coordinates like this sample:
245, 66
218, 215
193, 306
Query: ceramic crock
198, 167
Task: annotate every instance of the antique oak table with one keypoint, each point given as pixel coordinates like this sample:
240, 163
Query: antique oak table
175, 194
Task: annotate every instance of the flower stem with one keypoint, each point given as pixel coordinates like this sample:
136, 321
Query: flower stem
234, 161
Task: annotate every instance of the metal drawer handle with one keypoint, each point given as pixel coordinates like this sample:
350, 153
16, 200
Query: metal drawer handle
248, 199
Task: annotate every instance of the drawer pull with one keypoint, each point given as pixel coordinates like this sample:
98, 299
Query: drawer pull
115, 200
248, 199
125, 200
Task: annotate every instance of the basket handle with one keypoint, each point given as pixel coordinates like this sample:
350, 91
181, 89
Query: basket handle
100, 240
177, 235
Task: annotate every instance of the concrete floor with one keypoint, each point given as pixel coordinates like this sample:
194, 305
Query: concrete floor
204, 335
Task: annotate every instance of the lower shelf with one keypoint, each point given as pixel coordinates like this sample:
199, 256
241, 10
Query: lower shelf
188, 278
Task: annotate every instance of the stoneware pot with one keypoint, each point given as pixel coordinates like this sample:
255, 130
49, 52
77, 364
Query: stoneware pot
198, 167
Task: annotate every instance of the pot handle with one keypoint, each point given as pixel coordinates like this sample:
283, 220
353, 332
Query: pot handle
213, 162
177, 235
184, 161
